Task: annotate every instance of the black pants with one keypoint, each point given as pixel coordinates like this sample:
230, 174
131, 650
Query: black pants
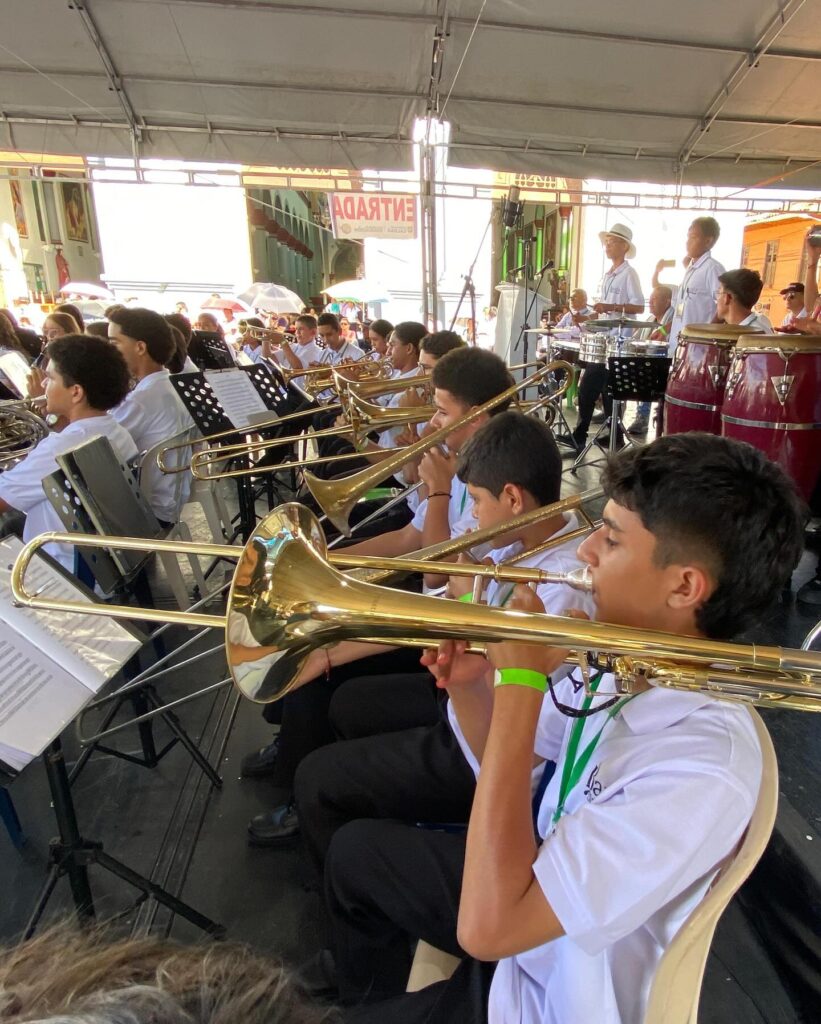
305, 724
387, 884
593, 383
462, 999
416, 775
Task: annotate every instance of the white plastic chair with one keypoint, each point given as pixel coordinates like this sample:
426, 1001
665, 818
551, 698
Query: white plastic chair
149, 473
676, 988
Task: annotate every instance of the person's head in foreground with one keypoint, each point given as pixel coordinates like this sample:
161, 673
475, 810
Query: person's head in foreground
700, 535
511, 466
92, 978
86, 376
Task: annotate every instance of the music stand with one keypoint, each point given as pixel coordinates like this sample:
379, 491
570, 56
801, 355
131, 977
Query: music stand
208, 350
208, 413
629, 379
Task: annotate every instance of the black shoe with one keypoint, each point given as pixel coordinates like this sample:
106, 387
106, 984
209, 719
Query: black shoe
262, 761
810, 593
597, 417
638, 427
565, 439
318, 976
574, 448
274, 827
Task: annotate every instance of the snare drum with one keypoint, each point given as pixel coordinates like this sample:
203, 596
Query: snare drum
695, 388
595, 349
773, 402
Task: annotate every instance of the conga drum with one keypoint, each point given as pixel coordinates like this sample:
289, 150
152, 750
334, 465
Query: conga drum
695, 388
773, 401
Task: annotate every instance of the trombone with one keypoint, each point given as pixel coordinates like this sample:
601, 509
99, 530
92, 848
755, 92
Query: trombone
337, 497
287, 600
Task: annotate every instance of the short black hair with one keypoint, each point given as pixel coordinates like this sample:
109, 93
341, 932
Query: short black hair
410, 332
307, 319
72, 310
709, 227
149, 327
181, 322
328, 320
441, 342
515, 449
176, 364
93, 363
722, 503
381, 327
473, 376
98, 327
744, 285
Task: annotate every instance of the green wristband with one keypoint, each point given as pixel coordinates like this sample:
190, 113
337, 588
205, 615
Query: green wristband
466, 598
520, 677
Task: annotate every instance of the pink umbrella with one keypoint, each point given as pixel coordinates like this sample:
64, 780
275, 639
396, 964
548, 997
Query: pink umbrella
215, 302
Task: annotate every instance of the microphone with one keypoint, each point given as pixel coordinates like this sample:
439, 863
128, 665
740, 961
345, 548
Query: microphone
548, 266
512, 208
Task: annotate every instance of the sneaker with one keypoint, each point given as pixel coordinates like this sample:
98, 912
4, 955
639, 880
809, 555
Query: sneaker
273, 828
639, 426
261, 762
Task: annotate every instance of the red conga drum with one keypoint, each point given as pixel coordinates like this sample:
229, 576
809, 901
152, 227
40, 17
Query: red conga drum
773, 401
695, 388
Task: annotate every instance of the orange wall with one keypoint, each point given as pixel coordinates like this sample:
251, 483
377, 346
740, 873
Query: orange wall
790, 236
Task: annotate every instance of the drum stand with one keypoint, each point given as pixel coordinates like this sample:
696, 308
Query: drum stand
629, 379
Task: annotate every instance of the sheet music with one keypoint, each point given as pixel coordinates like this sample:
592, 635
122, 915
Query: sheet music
90, 647
239, 398
15, 367
38, 699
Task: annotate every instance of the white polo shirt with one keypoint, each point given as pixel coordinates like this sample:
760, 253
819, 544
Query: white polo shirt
758, 321
22, 486
662, 802
347, 353
387, 439
460, 510
789, 317
694, 301
557, 598
153, 412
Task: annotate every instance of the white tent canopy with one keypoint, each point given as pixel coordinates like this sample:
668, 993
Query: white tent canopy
694, 91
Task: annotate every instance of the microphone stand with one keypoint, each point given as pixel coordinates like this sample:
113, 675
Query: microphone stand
529, 301
469, 288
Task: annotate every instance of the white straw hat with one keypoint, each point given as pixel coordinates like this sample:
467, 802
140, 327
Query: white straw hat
621, 231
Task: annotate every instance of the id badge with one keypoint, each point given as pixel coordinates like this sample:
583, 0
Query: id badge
680, 309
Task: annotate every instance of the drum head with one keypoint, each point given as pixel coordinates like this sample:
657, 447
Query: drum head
791, 343
718, 334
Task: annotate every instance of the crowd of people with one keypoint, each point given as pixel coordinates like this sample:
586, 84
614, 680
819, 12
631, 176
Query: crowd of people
515, 809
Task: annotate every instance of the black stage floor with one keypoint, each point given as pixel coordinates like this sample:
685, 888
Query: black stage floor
152, 818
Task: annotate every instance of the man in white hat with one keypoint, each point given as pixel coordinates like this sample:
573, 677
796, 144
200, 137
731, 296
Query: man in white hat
620, 292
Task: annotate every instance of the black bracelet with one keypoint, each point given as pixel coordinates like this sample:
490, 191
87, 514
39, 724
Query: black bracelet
439, 494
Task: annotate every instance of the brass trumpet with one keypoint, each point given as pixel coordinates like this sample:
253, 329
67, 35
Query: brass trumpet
286, 600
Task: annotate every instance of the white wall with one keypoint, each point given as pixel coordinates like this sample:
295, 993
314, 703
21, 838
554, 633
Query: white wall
83, 259
174, 235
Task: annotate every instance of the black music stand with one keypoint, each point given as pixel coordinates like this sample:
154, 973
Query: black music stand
629, 379
208, 350
207, 411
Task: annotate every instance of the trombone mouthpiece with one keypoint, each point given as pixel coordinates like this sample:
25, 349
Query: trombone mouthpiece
580, 579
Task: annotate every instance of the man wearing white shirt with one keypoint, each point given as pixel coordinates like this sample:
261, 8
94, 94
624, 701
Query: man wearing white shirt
152, 411
578, 312
737, 293
304, 352
651, 792
794, 300
694, 301
621, 294
84, 379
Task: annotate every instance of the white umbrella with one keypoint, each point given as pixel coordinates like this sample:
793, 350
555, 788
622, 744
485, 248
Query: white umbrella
271, 298
361, 290
93, 291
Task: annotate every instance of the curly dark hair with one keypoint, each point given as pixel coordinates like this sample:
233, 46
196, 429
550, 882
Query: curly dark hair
93, 363
722, 503
473, 376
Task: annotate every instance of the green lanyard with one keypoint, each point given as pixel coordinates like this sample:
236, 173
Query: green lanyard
574, 766
464, 501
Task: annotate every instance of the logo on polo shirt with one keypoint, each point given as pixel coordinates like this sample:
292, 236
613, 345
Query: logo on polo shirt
593, 787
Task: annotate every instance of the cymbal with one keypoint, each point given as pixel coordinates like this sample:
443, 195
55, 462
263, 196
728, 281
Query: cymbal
539, 330
595, 325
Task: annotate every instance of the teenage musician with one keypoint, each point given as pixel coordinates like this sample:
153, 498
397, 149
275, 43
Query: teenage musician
650, 793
